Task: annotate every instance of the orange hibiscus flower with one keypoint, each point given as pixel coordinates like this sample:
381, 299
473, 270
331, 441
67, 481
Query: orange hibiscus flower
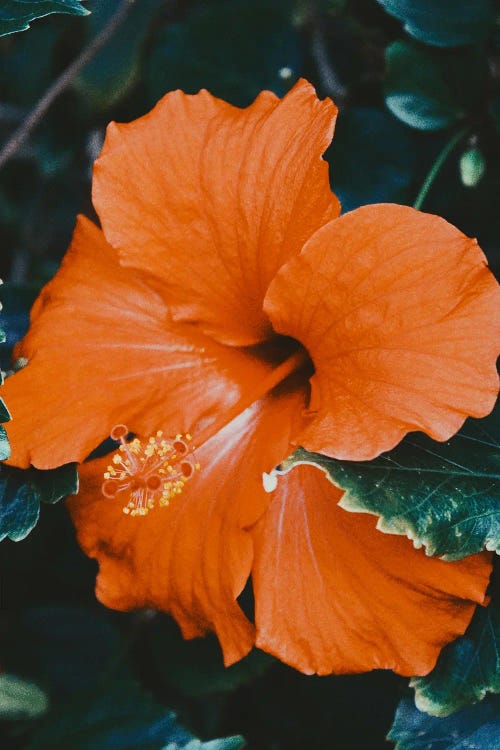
224, 315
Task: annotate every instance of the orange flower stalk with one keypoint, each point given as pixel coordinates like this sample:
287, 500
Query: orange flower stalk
224, 315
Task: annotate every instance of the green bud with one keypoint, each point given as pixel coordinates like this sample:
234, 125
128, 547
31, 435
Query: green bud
472, 167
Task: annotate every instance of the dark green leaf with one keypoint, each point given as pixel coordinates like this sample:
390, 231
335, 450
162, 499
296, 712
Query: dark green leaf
446, 23
444, 496
22, 491
113, 71
228, 743
4, 417
19, 509
4, 440
195, 668
121, 717
17, 300
65, 649
23, 81
468, 668
380, 151
495, 111
473, 728
255, 40
79, 656
432, 89
20, 699
16, 15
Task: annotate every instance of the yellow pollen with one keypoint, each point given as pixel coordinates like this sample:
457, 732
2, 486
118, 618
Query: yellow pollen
148, 474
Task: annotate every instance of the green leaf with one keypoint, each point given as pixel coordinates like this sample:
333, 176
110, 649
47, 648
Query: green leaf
21, 80
468, 668
444, 496
494, 110
17, 300
79, 656
473, 728
16, 15
255, 40
113, 71
195, 668
20, 699
4, 416
4, 440
22, 491
122, 716
380, 151
68, 650
229, 743
446, 23
432, 89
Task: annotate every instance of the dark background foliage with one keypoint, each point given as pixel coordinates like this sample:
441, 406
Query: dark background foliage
408, 77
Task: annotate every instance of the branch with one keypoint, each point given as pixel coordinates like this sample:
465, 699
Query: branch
61, 84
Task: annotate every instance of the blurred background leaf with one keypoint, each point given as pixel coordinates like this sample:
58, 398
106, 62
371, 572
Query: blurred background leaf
79, 657
22, 491
432, 89
16, 15
119, 715
21, 699
445, 24
195, 668
116, 68
255, 41
380, 151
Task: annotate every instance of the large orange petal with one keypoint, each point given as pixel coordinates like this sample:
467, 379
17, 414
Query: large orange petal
401, 318
212, 200
333, 594
102, 351
193, 558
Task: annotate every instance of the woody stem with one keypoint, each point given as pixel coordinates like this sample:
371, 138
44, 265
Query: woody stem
276, 376
63, 82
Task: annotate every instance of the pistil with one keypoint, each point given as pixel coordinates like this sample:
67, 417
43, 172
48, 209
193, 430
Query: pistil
154, 472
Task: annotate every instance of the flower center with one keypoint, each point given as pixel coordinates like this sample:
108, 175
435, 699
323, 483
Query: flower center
149, 473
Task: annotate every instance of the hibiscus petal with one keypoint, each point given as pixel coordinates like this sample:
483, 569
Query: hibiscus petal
193, 558
401, 318
212, 200
103, 351
333, 594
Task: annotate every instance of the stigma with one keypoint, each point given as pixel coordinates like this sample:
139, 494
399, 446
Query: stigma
148, 473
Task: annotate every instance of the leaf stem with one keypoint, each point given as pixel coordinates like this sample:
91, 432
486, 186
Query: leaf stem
61, 84
434, 170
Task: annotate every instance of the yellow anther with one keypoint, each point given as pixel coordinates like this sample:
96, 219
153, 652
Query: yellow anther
146, 473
